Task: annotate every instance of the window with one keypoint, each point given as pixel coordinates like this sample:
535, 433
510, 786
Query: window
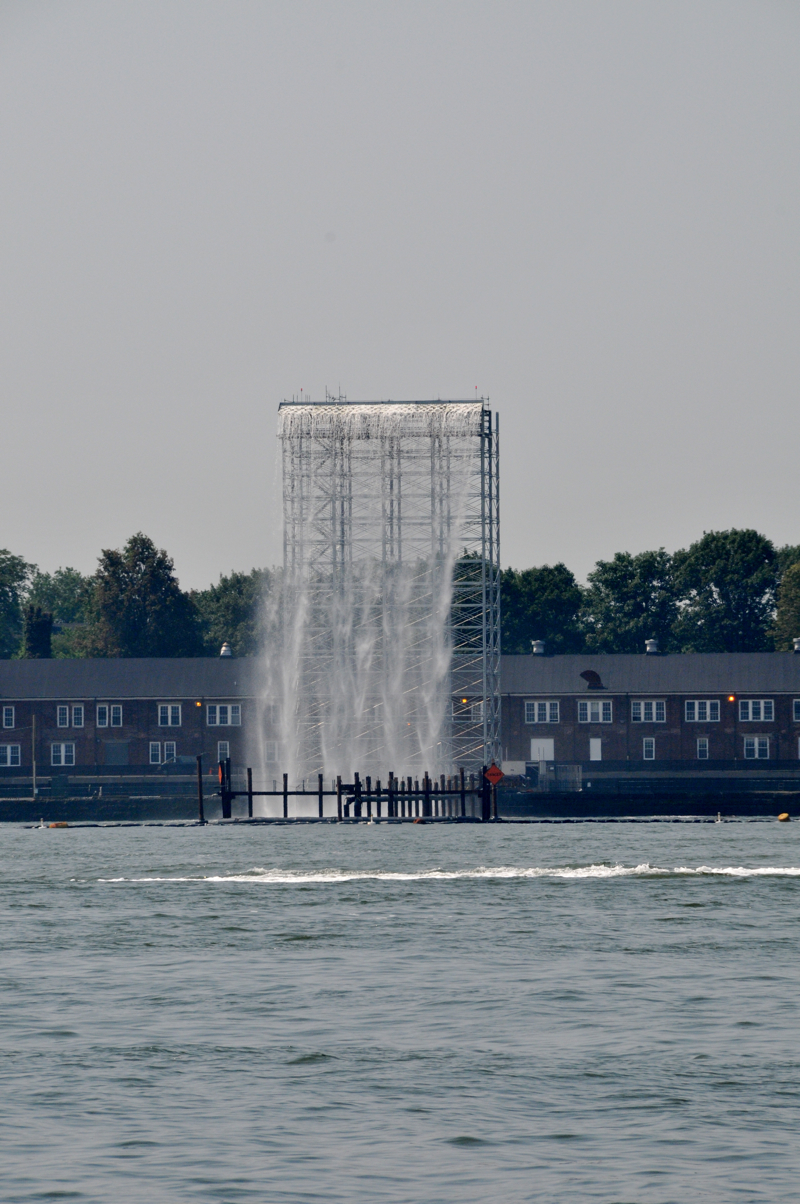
223, 750
225, 716
9, 755
62, 716
169, 715
756, 748
541, 712
702, 710
170, 750
648, 712
594, 712
8, 717
796, 709
649, 748
758, 709
272, 713
116, 716
102, 716
271, 751
155, 752
77, 716
702, 748
62, 754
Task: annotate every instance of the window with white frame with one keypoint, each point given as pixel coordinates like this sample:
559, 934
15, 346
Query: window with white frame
223, 750
77, 716
62, 716
758, 710
649, 712
595, 711
649, 748
9, 755
169, 714
155, 752
702, 748
796, 710
272, 713
109, 716
542, 712
271, 751
8, 717
170, 750
756, 748
702, 710
219, 715
62, 754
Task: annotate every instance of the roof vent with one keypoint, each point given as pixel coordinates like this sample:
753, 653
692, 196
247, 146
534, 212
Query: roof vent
592, 679
225, 650
651, 647
537, 647
796, 643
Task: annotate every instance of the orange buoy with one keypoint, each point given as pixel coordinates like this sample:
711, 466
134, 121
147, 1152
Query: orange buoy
63, 824
419, 820
783, 817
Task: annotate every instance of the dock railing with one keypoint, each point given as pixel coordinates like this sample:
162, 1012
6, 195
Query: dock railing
458, 797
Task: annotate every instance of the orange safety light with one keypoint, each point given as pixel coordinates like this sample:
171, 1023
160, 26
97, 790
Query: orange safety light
731, 698
465, 700
198, 704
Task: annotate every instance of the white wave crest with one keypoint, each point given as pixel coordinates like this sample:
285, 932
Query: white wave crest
281, 877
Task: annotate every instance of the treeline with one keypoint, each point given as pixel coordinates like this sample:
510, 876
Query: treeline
731, 591
131, 606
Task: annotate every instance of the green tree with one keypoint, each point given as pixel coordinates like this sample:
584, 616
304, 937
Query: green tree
137, 607
15, 573
232, 611
787, 621
37, 631
540, 604
630, 599
727, 583
788, 555
66, 594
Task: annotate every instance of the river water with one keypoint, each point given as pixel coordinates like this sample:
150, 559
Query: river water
401, 1013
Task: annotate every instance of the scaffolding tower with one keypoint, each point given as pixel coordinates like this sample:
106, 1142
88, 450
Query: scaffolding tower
391, 631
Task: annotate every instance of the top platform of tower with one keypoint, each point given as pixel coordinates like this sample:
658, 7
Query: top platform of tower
433, 401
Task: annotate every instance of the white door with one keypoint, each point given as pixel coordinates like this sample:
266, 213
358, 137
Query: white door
543, 750
595, 748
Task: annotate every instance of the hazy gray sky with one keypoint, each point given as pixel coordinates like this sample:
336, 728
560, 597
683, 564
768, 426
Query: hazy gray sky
588, 210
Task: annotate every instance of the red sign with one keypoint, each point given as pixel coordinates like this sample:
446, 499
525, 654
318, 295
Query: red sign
493, 774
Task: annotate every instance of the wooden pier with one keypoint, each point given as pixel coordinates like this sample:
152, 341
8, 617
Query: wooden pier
471, 798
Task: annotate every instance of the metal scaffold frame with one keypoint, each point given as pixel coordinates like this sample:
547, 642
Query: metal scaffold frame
392, 604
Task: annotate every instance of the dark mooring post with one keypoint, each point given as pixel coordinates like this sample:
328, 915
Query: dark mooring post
357, 796
319, 794
225, 787
368, 780
249, 793
200, 811
286, 796
339, 796
463, 791
378, 799
486, 797
389, 810
426, 800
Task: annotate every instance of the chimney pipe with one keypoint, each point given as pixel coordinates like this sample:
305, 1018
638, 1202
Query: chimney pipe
537, 647
651, 647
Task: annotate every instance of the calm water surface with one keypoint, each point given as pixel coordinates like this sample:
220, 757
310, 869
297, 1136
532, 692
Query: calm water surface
415, 1014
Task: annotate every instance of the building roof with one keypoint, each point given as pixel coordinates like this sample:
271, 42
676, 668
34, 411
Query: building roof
238, 677
682, 673
110, 678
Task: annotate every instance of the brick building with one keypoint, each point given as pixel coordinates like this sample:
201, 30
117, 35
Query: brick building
101, 717
699, 711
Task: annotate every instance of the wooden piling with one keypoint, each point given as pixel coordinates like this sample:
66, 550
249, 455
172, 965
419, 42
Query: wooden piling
463, 793
201, 813
339, 797
320, 808
249, 793
286, 796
